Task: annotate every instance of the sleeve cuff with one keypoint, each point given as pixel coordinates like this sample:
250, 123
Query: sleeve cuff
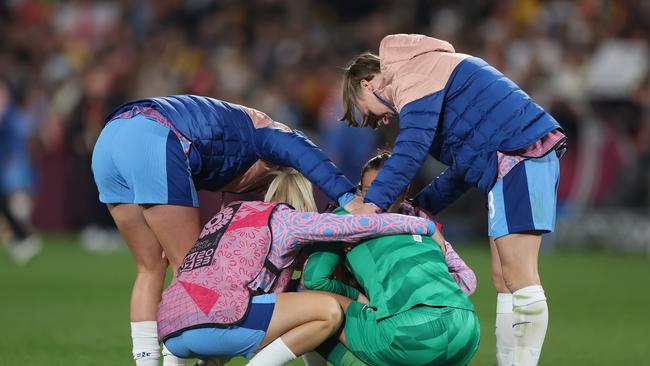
345, 198
352, 292
431, 228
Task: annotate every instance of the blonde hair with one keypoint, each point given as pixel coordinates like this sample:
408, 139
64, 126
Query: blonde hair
289, 186
363, 67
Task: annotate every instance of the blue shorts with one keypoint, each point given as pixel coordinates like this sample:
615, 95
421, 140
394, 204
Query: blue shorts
525, 198
16, 172
140, 161
241, 340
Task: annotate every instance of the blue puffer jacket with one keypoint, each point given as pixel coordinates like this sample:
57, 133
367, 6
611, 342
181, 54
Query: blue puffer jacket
226, 142
456, 108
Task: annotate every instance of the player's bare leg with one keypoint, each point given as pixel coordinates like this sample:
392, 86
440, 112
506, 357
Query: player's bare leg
147, 287
518, 257
505, 341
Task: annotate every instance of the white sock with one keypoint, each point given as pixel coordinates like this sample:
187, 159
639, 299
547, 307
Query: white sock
503, 331
146, 350
314, 359
275, 354
529, 324
170, 360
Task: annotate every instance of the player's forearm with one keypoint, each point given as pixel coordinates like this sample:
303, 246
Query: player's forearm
306, 227
317, 275
460, 271
333, 286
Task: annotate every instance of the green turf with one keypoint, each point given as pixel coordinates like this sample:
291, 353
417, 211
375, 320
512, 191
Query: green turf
71, 308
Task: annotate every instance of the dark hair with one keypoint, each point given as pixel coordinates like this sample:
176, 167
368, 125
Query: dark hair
363, 67
375, 163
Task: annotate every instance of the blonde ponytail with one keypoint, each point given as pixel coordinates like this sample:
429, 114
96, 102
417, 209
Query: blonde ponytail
289, 186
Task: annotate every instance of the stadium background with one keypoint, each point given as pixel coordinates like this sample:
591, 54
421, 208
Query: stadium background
65, 64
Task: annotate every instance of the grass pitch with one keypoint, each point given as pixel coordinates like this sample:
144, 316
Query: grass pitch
68, 307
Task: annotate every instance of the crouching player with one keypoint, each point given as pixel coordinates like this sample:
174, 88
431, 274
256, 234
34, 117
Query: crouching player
417, 311
229, 296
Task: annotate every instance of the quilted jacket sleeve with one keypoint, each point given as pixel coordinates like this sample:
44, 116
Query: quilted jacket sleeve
445, 189
418, 123
292, 148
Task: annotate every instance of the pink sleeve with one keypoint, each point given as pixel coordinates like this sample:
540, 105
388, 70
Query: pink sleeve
303, 227
462, 274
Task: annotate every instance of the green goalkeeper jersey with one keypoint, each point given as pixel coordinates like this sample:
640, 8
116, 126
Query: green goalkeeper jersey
396, 272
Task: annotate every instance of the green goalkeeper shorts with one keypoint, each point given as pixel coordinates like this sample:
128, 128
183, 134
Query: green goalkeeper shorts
422, 335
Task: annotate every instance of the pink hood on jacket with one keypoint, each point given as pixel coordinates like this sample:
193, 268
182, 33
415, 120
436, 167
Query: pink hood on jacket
403, 47
414, 65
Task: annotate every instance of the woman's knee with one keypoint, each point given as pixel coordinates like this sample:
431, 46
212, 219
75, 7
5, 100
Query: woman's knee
518, 254
332, 313
518, 276
155, 266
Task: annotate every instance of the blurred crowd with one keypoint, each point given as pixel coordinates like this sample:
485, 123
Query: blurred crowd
64, 65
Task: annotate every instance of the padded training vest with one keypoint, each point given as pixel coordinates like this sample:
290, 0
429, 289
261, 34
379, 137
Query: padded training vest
227, 266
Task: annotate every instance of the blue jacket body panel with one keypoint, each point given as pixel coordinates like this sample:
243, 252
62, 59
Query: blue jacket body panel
478, 113
225, 143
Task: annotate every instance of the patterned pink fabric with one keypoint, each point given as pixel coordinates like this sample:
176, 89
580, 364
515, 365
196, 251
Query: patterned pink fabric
538, 149
152, 114
407, 208
293, 229
227, 263
544, 145
459, 271
210, 287
204, 297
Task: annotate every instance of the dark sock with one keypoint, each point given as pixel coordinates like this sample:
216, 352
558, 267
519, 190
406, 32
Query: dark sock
337, 354
17, 228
